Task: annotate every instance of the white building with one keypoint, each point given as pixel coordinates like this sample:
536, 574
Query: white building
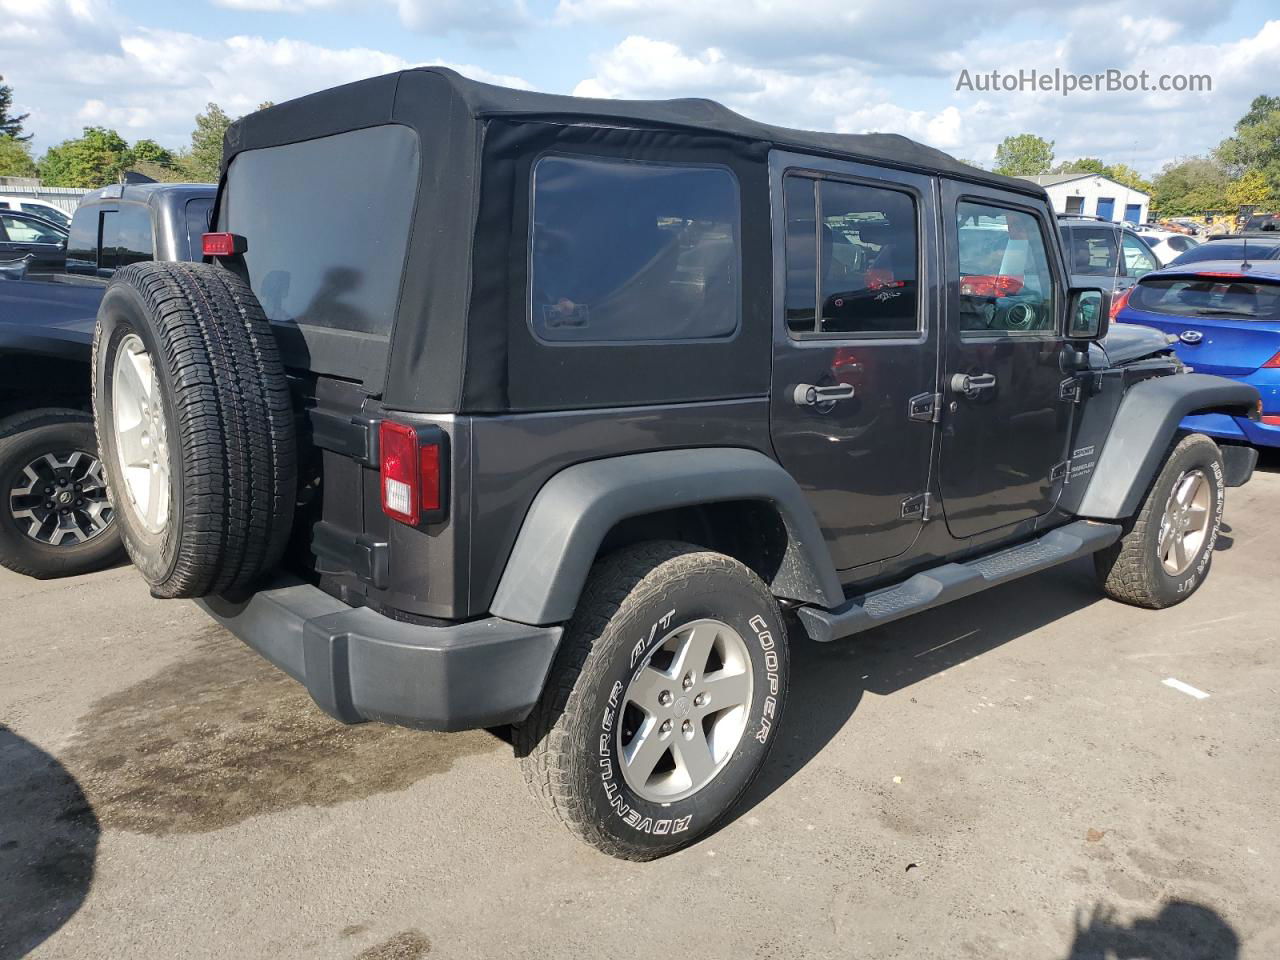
1093, 195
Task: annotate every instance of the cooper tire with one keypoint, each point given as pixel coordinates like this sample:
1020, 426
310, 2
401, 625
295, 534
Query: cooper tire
57, 445
1144, 567
574, 746
215, 418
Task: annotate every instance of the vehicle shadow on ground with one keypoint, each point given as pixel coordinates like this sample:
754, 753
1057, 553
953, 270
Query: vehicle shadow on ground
1182, 930
48, 845
829, 680
1268, 460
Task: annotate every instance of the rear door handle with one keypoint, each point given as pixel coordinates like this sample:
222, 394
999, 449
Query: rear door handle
810, 395
972, 384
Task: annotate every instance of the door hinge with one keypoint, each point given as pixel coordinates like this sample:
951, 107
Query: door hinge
1059, 470
1069, 390
923, 506
925, 407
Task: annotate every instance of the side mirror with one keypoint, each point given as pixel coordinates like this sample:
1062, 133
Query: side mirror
1088, 313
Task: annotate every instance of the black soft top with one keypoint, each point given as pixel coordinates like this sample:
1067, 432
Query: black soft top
460, 340
486, 100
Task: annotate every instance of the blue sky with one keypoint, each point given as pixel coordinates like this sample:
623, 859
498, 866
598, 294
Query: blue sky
145, 67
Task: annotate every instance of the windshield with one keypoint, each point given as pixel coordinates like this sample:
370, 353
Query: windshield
49, 213
1208, 296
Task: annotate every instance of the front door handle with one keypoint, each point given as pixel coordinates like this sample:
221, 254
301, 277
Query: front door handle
972, 384
809, 395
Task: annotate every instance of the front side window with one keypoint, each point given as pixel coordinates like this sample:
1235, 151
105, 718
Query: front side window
852, 259
1006, 286
29, 231
623, 251
1138, 260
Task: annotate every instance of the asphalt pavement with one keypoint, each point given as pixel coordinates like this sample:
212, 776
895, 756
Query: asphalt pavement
1013, 775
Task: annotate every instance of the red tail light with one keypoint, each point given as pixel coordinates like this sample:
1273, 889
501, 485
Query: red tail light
223, 244
1271, 420
1118, 302
413, 472
1273, 363
984, 285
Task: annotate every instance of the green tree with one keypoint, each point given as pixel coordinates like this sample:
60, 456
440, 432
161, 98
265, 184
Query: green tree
148, 151
1190, 187
10, 126
92, 160
1252, 188
15, 158
1083, 165
1131, 178
204, 159
1024, 155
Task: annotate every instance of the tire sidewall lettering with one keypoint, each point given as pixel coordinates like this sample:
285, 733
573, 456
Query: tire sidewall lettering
638, 815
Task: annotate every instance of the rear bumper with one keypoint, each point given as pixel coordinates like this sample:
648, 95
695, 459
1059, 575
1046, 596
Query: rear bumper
360, 665
1223, 426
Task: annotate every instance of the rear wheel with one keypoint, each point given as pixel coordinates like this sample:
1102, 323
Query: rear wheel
1165, 553
56, 519
662, 701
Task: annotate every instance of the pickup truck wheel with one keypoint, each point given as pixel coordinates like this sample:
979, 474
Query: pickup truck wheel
56, 520
1165, 553
662, 700
195, 425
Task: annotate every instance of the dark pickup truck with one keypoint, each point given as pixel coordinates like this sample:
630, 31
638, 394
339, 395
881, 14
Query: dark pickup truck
55, 518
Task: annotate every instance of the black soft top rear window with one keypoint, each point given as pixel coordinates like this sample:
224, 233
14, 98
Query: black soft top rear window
327, 223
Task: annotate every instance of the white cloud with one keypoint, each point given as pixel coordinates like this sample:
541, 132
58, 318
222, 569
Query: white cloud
151, 83
485, 17
1142, 129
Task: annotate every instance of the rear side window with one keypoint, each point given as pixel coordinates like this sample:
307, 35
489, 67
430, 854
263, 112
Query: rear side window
1207, 297
1006, 285
625, 251
852, 259
29, 231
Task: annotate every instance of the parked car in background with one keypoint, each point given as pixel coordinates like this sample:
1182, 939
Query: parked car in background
1265, 222
1186, 224
1236, 247
54, 515
1167, 245
40, 242
40, 208
1103, 253
1226, 321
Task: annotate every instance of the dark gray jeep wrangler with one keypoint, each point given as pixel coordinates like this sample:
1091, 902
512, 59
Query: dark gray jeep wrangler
571, 415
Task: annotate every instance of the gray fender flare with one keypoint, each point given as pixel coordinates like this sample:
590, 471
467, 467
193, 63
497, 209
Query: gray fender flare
1144, 428
576, 508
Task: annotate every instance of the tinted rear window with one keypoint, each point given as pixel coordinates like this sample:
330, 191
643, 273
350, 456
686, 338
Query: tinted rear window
1227, 250
1207, 296
327, 223
627, 251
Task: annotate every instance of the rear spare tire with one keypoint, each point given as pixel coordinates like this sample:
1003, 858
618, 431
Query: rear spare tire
195, 427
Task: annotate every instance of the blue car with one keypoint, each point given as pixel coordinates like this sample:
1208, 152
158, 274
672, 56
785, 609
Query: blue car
1226, 316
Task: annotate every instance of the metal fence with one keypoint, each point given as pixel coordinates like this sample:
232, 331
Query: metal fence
65, 198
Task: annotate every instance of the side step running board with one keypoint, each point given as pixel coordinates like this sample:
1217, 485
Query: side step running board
951, 581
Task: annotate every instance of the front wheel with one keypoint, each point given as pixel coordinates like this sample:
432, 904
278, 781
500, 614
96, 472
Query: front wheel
1164, 555
55, 520
662, 701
